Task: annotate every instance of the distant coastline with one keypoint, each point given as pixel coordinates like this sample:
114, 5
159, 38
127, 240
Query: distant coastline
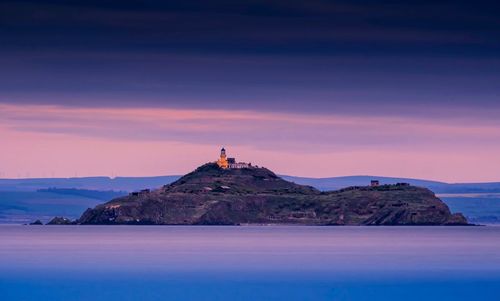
330, 183
23, 204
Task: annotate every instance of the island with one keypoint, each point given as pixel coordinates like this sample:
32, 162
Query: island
227, 192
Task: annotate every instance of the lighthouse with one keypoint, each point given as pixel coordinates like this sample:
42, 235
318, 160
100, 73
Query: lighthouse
230, 163
222, 162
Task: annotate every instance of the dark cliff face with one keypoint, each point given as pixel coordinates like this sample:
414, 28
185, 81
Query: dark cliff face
213, 196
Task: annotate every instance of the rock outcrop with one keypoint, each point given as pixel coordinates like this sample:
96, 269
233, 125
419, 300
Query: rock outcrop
60, 221
214, 196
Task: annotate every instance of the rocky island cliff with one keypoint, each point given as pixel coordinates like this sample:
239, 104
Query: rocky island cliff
212, 195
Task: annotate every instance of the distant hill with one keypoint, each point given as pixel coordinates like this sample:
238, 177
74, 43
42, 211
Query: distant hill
438, 187
137, 183
21, 202
86, 193
334, 183
89, 183
20, 207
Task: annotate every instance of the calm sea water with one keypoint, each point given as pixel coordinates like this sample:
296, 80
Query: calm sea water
249, 263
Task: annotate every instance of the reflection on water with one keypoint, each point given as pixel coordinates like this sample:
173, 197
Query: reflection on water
249, 263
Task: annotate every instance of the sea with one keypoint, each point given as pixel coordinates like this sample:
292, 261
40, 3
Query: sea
249, 263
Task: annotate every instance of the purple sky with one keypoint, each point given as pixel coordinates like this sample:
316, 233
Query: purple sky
313, 88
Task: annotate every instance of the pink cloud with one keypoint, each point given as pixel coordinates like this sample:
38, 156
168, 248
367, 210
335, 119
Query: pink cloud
64, 141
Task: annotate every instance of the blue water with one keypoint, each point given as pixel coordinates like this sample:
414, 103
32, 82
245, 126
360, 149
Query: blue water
249, 263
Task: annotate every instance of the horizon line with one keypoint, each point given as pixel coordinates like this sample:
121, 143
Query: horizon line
280, 175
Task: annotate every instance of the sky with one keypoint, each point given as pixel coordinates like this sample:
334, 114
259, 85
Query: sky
305, 88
